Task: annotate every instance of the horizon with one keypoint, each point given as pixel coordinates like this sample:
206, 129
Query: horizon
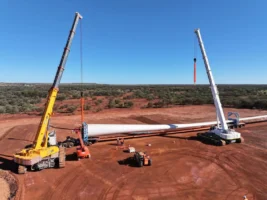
135, 42
147, 84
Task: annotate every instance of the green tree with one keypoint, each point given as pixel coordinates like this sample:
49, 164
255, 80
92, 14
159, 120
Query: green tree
61, 97
75, 96
117, 101
87, 107
149, 105
9, 108
98, 110
71, 109
150, 97
128, 104
2, 109
111, 103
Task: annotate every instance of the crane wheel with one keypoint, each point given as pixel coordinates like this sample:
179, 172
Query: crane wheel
222, 143
70, 144
150, 162
86, 143
22, 169
62, 157
64, 145
240, 140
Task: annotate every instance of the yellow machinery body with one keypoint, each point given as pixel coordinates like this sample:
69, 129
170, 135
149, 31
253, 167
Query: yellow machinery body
43, 153
29, 157
40, 149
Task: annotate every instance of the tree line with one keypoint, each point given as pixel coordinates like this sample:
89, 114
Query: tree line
23, 99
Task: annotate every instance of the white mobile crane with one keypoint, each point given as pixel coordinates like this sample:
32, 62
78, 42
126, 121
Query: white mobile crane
220, 134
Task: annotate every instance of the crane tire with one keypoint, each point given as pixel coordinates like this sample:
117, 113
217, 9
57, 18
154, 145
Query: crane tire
150, 162
70, 144
240, 140
222, 143
22, 169
62, 157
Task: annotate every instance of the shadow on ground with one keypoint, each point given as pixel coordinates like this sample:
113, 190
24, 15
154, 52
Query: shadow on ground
128, 161
7, 164
181, 138
193, 138
113, 144
19, 139
62, 128
144, 120
71, 157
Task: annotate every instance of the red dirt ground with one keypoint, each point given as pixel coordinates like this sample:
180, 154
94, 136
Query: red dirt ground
182, 168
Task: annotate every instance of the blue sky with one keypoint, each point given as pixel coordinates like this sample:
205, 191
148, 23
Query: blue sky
134, 41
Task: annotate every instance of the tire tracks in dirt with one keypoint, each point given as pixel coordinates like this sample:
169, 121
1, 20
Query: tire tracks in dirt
6, 133
208, 155
61, 183
121, 183
117, 184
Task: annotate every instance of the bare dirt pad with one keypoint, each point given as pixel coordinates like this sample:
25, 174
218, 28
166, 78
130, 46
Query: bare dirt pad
182, 167
4, 192
8, 186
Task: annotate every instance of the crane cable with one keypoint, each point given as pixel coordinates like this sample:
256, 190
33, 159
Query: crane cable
81, 60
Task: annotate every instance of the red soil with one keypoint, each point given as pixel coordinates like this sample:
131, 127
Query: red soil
181, 169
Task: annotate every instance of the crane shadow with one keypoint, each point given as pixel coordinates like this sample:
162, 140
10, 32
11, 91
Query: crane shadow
7, 164
113, 144
192, 138
62, 128
181, 137
9, 156
71, 157
19, 139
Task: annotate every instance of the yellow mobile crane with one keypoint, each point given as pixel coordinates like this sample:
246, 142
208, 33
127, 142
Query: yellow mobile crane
45, 152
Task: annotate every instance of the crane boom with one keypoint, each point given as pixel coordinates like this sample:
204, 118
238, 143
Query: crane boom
45, 152
222, 131
214, 90
43, 126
